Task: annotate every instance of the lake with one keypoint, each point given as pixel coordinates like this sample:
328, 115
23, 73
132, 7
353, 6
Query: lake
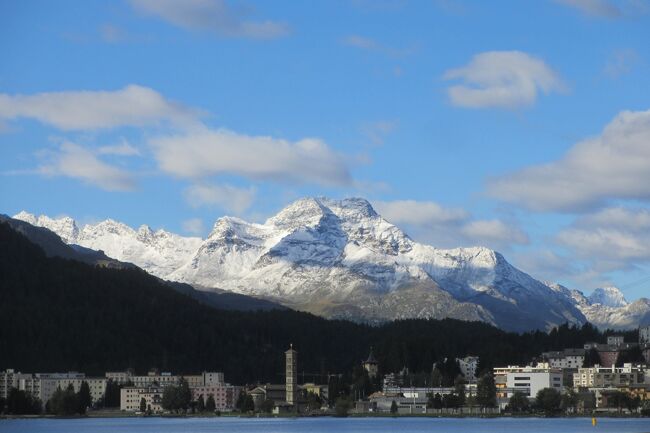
323, 425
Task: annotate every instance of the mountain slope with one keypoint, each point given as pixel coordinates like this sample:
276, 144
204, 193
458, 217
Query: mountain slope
339, 258
157, 252
607, 307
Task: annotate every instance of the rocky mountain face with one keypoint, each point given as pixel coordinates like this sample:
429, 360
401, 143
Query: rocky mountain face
607, 307
339, 259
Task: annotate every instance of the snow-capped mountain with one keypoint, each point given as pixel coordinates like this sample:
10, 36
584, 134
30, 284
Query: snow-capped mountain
336, 258
158, 252
608, 297
607, 307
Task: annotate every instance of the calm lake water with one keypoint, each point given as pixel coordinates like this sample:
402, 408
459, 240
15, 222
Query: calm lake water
323, 425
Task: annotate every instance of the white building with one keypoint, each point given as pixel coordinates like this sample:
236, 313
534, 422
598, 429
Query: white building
10, 379
644, 334
468, 366
527, 380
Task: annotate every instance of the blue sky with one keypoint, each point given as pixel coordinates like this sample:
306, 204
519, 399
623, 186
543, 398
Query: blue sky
523, 126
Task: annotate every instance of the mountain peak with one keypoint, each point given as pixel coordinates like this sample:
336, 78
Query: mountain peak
608, 296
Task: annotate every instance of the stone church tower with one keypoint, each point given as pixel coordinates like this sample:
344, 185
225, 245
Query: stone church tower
291, 361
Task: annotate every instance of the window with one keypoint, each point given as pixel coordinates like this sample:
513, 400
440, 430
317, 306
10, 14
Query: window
522, 377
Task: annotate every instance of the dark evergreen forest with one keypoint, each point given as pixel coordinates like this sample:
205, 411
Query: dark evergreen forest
60, 315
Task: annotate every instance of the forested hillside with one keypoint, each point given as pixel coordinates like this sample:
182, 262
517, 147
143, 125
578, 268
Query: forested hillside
59, 315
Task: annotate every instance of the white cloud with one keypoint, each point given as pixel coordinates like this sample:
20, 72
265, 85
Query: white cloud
193, 226
503, 79
121, 149
420, 213
449, 227
494, 231
614, 165
211, 15
228, 197
618, 237
86, 110
76, 162
210, 152
599, 8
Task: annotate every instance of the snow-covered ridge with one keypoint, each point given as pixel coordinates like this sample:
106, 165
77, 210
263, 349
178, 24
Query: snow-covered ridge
337, 258
158, 252
607, 307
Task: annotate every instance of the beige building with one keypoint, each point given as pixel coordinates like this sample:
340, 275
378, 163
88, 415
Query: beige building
155, 378
131, 397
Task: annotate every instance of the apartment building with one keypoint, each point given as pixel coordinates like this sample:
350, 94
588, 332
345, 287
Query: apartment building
527, 380
468, 366
609, 377
131, 397
225, 395
567, 358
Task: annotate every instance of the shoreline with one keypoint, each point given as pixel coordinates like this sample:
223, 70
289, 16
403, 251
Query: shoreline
105, 415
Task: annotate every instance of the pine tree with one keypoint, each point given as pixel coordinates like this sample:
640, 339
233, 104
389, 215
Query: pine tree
84, 398
210, 405
143, 405
486, 391
200, 404
393, 408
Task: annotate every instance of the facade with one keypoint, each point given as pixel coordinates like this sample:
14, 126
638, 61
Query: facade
468, 366
291, 364
43, 385
225, 395
567, 358
131, 397
609, 377
10, 379
276, 393
371, 365
320, 390
155, 378
644, 335
615, 340
527, 380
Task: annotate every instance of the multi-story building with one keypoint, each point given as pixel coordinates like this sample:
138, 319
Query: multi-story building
155, 378
567, 358
225, 396
131, 398
10, 379
609, 377
468, 366
43, 385
527, 380
151, 386
644, 334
